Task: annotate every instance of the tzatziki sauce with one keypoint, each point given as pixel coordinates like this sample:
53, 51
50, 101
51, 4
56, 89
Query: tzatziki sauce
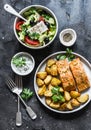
22, 64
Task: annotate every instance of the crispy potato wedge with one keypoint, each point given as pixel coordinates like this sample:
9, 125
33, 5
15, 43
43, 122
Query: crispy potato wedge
63, 107
83, 98
75, 103
50, 62
48, 101
54, 105
42, 75
42, 90
55, 81
48, 93
67, 96
39, 82
54, 71
74, 94
48, 79
61, 89
48, 70
50, 87
69, 106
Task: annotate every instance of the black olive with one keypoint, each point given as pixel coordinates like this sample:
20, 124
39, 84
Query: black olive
47, 24
46, 40
26, 33
32, 23
42, 12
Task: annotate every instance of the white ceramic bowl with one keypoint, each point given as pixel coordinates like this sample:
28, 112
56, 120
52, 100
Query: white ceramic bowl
38, 7
27, 65
68, 37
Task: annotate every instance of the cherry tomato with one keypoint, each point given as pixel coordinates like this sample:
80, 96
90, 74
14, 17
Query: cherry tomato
41, 18
18, 25
31, 42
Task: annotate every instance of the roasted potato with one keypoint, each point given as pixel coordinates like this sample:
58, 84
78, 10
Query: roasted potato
83, 98
63, 107
42, 90
69, 106
50, 62
47, 80
75, 103
74, 94
42, 75
48, 101
50, 87
40, 82
55, 81
61, 89
54, 71
67, 96
54, 105
48, 70
48, 93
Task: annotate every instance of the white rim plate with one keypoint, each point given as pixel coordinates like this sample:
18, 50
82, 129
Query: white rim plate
87, 67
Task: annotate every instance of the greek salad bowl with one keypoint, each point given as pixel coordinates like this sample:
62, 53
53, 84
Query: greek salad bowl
40, 28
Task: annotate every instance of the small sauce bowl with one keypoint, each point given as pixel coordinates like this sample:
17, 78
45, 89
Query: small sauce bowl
68, 37
22, 63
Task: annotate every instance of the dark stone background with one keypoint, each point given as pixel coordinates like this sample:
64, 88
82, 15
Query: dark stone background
70, 13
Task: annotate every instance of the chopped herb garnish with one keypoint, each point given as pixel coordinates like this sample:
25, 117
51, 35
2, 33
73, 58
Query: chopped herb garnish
55, 90
34, 36
19, 61
57, 96
62, 57
68, 51
26, 94
68, 55
58, 57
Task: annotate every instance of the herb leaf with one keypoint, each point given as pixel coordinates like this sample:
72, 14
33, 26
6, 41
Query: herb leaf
68, 55
68, 51
57, 96
55, 90
34, 36
19, 61
61, 57
26, 94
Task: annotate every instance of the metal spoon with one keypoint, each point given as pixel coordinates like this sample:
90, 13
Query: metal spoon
11, 10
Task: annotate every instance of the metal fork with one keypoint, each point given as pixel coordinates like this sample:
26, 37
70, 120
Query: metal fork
13, 87
18, 81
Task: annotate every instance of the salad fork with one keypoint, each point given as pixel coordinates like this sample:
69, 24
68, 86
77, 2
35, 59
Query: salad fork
14, 88
18, 81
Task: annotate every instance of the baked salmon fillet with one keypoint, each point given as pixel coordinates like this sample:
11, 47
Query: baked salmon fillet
66, 76
79, 74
